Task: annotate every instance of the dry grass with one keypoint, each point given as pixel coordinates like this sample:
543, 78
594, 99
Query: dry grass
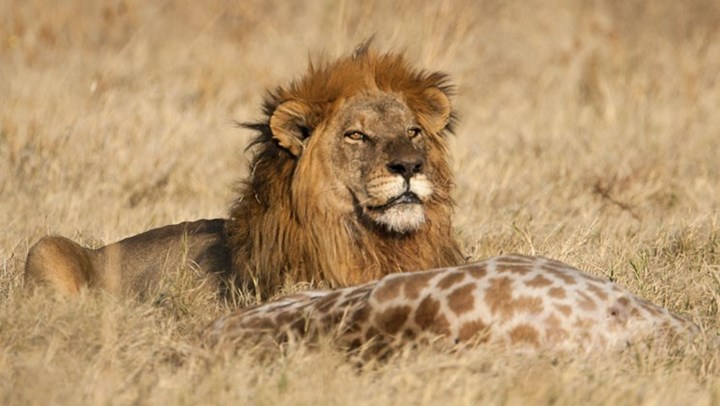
590, 133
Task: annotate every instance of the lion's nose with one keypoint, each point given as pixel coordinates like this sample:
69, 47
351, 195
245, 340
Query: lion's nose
406, 167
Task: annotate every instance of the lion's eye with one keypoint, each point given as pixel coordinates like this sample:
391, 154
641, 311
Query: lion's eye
355, 135
414, 132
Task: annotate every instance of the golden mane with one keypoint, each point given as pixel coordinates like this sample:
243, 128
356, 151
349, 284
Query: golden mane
276, 237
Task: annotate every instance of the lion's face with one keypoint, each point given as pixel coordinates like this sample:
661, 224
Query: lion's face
369, 156
378, 149
351, 177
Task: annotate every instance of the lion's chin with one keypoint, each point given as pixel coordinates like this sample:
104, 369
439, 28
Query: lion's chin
401, 218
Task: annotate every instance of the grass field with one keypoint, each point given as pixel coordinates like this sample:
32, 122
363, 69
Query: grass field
589, 133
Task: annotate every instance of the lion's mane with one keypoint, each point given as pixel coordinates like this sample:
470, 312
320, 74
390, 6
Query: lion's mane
275, 237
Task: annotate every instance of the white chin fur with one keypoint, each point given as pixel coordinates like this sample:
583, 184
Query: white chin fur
402, 218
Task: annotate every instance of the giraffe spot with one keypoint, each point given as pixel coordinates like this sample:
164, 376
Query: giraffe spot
554, 332
409, 334
562, 274
450, 280
528, 304
597, 291
538, 281
585, 301
388, 289
360, 315
498, 295
299, 326
477, 271
557, 292
426, 312
461, 300
356, 321
515, 260
441, 326
472, 329
564, 309
415, 283
623, 301
520, 269
393, 319
525, 334
285, 317
260, 323
371, 333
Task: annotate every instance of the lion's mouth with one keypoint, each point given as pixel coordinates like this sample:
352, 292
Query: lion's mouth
405, 198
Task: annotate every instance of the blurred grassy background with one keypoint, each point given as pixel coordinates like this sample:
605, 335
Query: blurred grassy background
589, 133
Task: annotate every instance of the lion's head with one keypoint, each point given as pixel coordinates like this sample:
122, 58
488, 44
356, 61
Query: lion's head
350, 180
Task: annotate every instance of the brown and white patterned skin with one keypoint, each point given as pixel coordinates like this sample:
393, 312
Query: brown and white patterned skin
511, 300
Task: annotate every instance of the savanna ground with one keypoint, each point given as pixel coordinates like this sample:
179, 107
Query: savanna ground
589, 133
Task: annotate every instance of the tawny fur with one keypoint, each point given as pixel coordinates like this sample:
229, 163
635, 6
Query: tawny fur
512, 300
133, 266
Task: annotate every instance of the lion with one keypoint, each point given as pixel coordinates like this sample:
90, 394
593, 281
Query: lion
350, 181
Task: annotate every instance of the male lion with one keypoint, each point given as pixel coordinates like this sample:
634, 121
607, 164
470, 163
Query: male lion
350, 181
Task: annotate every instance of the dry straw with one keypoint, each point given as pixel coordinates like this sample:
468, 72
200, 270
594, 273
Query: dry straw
589, 133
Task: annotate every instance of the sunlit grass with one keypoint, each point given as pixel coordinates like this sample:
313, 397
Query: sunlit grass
588, 133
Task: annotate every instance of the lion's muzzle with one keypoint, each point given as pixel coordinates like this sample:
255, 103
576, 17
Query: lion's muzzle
398, 203
406, 167
404, 158
405, 198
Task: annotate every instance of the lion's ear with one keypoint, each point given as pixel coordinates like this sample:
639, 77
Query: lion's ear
438, 108
289, 125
